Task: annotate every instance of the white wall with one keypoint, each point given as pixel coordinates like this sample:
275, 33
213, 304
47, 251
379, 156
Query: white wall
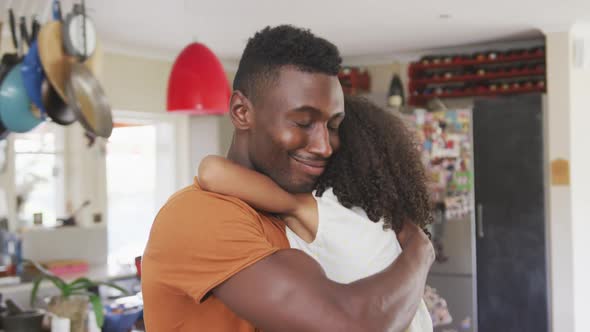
135, 84
569, 134
580, 176
559, 198
381, 76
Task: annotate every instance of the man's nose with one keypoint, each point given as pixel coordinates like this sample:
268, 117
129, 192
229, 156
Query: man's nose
319, 143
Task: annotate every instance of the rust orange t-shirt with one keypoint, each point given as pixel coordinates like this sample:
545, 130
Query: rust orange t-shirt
198, 240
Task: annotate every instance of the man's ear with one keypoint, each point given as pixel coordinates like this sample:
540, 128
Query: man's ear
241, 111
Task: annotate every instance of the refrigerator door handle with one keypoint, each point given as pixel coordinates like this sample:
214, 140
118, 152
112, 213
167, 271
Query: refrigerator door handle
480, 232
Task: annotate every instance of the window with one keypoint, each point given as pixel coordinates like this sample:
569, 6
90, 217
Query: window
39, 174
141, 174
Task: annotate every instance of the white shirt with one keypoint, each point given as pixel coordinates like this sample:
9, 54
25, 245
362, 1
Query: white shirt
349, 246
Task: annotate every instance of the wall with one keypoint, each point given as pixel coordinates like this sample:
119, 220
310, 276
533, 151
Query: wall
568, 135
559, 198
381, 75
580, 180
226, 128
135, 84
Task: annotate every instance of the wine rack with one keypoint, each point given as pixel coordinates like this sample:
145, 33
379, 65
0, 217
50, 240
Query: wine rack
490, 73
354, 80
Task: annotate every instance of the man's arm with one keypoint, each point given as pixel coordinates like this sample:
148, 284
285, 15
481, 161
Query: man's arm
288, 291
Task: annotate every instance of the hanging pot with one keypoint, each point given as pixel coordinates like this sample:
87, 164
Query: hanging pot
79, 33
33, 76
89, 102
32, 70
56, 63
3, 131
9, 60
57, 110
16, 109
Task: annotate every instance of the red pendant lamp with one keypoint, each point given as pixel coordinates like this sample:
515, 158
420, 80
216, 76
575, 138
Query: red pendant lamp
197, 83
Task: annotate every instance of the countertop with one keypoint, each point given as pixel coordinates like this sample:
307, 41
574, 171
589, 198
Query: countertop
20, 293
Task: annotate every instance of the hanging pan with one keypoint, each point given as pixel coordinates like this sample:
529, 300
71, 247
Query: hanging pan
9, 60
32, 70
90, 104
56, 63
79, 33
16, 111
54, 105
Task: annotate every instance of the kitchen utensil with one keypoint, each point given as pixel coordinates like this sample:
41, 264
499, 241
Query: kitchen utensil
13, 308
33, 76
8, 61
71, 220
90, 104
79, 33
57, 10
55, 107
59, 112
16, 111
35, 27
56, 63
12, 24
3, 132
24, 32
27, 321
15, 105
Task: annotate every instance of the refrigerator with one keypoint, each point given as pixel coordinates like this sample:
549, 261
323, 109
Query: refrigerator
486, 167
445, 141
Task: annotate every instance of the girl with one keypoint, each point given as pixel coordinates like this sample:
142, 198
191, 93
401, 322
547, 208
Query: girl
370, 186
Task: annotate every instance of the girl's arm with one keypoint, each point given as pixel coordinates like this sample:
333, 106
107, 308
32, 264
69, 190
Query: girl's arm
220, 175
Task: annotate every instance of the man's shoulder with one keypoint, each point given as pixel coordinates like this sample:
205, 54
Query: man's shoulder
194, 202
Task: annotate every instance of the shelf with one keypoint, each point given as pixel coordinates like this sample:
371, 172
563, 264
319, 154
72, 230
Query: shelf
418, 100
472, 78
463, 63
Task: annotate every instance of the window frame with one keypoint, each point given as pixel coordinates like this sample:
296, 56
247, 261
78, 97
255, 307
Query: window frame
60, 155
175, 127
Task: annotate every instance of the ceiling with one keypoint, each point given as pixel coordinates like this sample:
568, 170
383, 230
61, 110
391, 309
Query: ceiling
368, 28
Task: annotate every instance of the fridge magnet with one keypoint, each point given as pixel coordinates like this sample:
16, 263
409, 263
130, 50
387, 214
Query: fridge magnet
437, 307
560, 172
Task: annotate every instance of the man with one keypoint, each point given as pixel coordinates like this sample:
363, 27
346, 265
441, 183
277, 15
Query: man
212, 263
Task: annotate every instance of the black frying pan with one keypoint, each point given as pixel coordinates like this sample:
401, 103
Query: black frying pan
55, 107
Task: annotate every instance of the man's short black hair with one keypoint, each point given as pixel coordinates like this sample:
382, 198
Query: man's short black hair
283, 45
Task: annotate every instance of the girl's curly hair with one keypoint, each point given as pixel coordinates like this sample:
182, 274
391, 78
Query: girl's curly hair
378, 167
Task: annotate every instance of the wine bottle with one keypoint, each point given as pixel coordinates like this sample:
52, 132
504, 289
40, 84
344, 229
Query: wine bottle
395, 96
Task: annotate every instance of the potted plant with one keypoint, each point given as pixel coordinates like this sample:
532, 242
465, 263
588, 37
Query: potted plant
72, 302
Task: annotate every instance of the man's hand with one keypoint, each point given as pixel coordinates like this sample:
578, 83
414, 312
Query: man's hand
414, 239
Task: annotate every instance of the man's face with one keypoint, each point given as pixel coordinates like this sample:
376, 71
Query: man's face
296, 128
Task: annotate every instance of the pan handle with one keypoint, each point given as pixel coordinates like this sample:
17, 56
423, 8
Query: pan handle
12, 22
56, 8
24, 32
35, 27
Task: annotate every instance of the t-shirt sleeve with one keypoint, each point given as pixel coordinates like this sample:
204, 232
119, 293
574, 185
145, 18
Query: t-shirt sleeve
205, 242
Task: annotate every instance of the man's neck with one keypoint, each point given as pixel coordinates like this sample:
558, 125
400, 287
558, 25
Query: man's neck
238, 153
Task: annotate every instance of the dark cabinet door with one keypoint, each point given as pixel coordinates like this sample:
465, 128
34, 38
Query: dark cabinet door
510, 214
